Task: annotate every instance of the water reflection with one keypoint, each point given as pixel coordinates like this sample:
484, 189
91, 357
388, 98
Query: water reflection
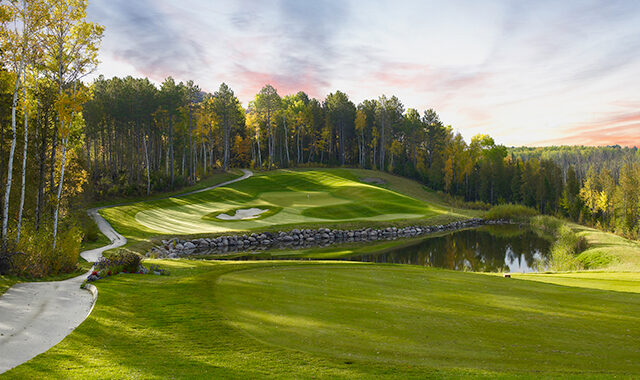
502, 248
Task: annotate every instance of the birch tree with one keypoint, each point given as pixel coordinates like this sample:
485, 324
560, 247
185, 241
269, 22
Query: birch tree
21, 22
227, 113
72, 44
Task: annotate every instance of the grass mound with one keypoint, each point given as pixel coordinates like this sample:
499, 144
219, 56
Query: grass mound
309, 197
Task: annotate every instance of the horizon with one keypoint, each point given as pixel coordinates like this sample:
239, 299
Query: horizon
538, 74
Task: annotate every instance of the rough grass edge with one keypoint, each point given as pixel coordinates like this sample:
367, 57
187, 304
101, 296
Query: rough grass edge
513, 212
566, 246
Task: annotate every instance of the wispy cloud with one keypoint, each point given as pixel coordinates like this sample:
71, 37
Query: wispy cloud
521, 71
620, 129
142, 34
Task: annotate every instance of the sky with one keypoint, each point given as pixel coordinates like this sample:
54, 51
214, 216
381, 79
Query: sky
525, 72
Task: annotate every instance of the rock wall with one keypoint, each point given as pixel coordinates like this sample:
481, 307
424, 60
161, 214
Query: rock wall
298, 239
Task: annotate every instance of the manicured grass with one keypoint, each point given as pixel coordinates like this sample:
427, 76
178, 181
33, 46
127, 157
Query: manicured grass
346, 320
608, 251
616, 281
305, 198
6, 282
210, 180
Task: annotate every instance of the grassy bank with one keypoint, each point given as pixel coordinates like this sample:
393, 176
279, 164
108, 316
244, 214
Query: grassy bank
303, 198
608, 251
330, 320
575, 247
211, 180
578, 247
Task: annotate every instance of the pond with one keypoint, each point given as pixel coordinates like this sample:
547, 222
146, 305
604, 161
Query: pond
503, 248
495, 248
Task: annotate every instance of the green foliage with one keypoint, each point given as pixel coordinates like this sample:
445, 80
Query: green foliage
35, 258
119, 261
510, 212
567, 244
90, 231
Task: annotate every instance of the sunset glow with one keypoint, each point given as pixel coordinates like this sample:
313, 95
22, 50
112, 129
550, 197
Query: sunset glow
535, 73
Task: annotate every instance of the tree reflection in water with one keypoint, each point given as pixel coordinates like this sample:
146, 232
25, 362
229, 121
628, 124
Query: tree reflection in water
500, 248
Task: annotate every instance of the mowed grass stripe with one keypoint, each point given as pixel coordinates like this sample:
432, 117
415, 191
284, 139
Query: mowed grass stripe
306, 197
407, 316
344, 320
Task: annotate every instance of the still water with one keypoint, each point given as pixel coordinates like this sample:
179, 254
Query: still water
495, 248
499, 248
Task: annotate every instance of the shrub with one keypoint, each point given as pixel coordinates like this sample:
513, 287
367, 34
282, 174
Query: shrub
566, 245
33, 256
457, 201
122, 260
510, 212
89, 228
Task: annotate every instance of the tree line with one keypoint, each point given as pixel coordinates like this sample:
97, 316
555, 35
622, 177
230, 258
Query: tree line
141, 138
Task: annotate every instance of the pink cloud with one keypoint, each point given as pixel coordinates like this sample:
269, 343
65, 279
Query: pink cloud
623, 129
307, 81
426, 77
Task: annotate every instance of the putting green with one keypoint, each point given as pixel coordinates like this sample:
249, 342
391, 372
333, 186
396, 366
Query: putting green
296, 197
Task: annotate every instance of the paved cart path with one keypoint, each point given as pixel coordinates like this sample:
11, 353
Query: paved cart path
35, 316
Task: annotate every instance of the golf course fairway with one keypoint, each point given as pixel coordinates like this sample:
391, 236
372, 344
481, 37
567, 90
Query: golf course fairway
347, 320
291, 198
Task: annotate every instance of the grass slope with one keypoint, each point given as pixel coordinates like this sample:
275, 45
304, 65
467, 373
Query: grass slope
308, 197
329, 320
608, 251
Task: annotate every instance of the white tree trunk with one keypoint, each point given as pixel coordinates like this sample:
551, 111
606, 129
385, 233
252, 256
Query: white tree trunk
259, 152
24, 162
226, 146
146, 157
204, 153
286, 140
7, 193
59, 195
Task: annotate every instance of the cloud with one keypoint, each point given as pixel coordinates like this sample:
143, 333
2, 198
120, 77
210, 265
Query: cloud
306, 80
617, 129
142, 34
296, 49
516, 70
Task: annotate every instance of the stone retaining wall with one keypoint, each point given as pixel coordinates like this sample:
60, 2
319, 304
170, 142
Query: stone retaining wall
298, 239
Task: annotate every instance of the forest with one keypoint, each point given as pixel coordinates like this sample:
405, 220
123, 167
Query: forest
141, 138
66, 142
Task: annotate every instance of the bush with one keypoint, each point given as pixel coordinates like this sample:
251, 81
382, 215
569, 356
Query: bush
33, 256
122, 260
566, 246
458, 201
89, 227
510, 212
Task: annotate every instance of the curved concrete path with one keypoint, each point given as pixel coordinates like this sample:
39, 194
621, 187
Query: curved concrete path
35, 316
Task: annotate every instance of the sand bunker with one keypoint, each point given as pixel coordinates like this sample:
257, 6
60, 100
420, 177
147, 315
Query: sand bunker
250, 213
374, 180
